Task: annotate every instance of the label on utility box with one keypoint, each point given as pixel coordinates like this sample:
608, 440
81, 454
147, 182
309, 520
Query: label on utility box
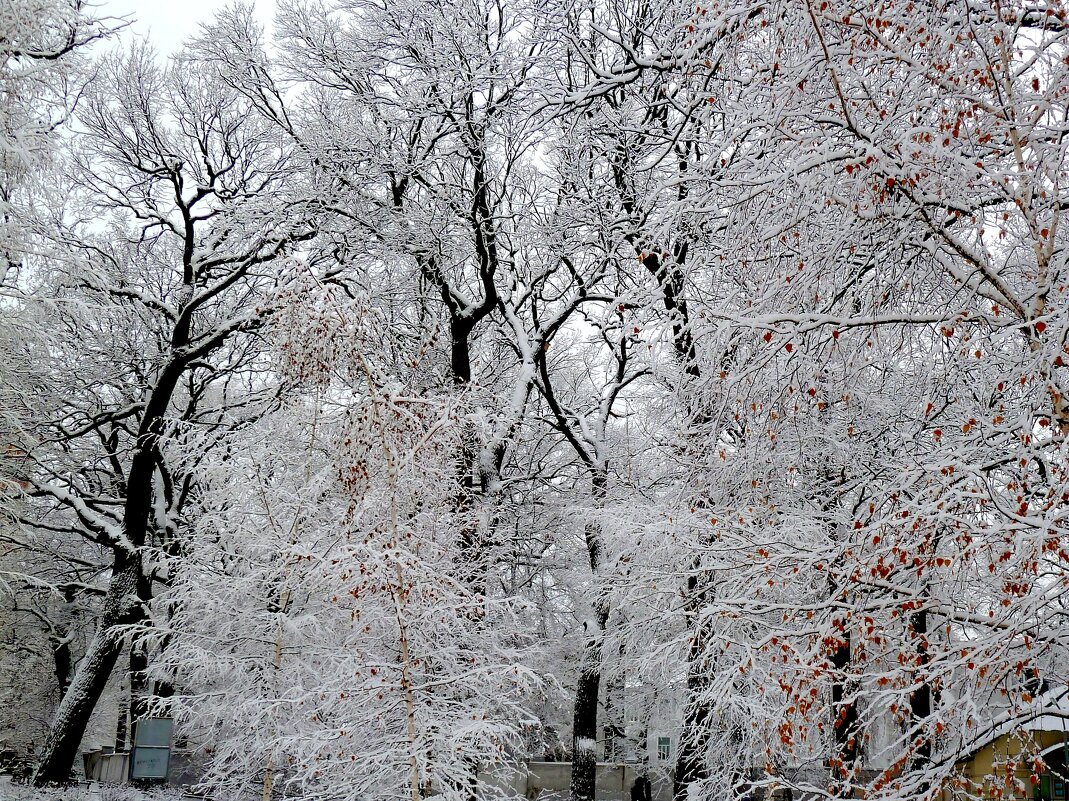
149, 762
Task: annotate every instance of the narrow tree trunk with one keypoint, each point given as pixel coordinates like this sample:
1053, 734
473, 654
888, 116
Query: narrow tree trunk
615, 713
61, 661
691, 768
61, 643
922, 699
133, 707
844, 720
415, 786
122, 722
281, 608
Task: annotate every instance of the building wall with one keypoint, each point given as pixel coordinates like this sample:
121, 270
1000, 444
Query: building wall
551, 779
993, 770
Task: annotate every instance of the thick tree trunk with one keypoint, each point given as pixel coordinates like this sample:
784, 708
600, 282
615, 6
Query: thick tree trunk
121, 607
473, 556
691, 769
585, 722
460, 329
127, 590
585, 711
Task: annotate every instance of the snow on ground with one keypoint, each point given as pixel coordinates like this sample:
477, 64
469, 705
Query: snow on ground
15, 792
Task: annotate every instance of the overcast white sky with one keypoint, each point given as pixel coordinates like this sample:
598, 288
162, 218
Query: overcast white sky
166, 23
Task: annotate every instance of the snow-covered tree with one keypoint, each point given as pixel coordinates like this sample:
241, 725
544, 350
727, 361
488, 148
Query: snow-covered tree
41, 50
719, 346
164, 261
329, 542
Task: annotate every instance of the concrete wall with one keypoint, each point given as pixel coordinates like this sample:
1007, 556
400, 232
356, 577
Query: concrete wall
107, 768
551, 779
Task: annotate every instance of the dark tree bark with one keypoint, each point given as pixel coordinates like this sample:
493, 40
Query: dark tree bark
614, 725
666, 265
922, 699
844, 719
123, 603
585, 721
72, 717
691, 767
61, 659
61, 649
127, 593
585, 712
133, 707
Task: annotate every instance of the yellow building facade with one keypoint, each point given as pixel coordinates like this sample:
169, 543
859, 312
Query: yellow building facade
1026, 764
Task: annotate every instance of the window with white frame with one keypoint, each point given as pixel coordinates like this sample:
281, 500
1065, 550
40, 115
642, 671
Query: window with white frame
664, 748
